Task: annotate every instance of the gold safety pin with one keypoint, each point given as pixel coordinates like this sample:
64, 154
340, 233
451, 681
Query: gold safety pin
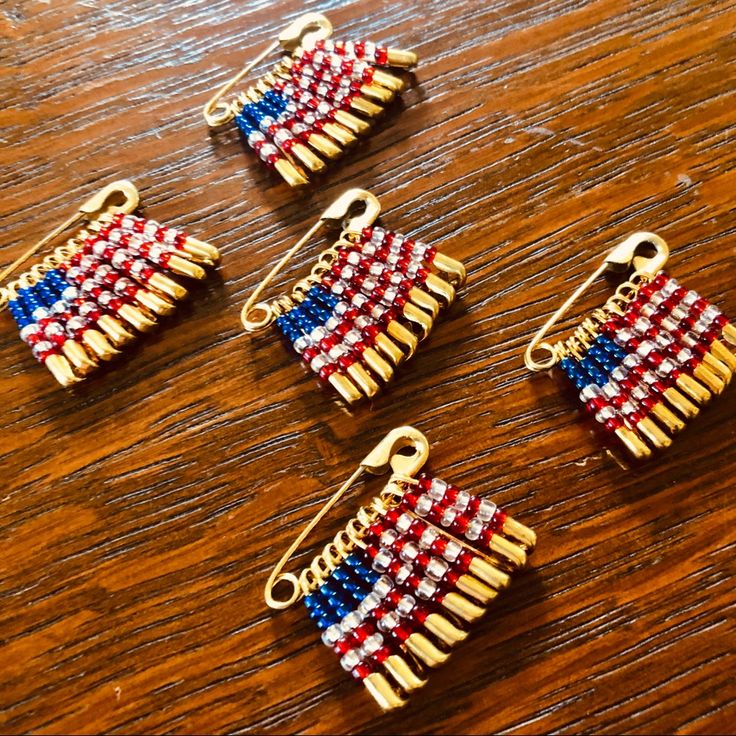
310, 28
94, 206
384, 456
620, 259
338, 211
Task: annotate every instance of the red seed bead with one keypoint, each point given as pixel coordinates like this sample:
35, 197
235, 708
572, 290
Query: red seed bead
326, 371
345, 361
401, 632
342, 646
382, 57
614, 423
361, 671
382, 654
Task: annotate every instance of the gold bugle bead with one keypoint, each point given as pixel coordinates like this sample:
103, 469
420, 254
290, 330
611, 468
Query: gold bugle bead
377, 364
633, 443
670, 420
392, 351
462, 607
183, 267
523, 534
404, 336
718, 367
78, 357
341, 134
388, 80
507, 550
421, 647
416, 315
488, 573
450, 266
401, 58
378, 686
351, 122
425, 301
201, 251
377, 92
311, 160
363, 380
155, 303
290, 174
475, 589
439, 286
324, 145
693, 389
99, 344
708, 378
723, 354
444, 630
653, 433
681, 403
365, 107
115, 330
61, 370
136, 317
400, 670
729, 332
165, 285
345, 387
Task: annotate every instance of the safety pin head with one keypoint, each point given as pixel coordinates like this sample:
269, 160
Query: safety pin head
340, 209
308, 28
404, 451
108, 199
627, 255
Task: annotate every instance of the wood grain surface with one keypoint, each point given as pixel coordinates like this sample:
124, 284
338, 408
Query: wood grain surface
142, 513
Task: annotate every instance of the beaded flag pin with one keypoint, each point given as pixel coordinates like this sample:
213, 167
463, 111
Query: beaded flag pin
400, 585
650, 358
88, 298
314, 102
366, 303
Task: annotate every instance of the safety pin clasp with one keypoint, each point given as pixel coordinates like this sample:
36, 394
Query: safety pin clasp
255, 315
308, 28
624, 257
404, 451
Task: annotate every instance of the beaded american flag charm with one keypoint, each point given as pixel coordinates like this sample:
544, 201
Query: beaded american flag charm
315, 102
78, 306
647, 361
365, 305
401, 583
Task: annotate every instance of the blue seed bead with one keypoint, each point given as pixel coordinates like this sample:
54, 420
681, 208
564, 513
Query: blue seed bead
360, 570
19, 314
245, 126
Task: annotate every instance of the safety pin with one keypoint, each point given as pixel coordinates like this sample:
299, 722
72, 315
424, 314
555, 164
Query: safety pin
336, 212
623, 257
387, 454
91, 208
217, 113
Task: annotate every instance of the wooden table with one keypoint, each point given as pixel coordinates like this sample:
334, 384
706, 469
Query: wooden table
142, 513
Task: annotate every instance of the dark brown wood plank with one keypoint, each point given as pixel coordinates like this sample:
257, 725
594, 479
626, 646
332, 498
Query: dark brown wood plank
142, 513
